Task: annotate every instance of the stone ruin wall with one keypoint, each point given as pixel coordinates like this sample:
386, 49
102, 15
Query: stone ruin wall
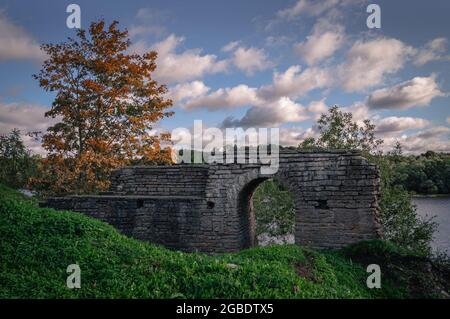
208, 207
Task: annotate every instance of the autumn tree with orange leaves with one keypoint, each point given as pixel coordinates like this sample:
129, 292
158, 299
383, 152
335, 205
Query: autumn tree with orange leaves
106, 104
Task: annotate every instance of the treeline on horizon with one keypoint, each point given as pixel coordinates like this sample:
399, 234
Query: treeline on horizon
427, 174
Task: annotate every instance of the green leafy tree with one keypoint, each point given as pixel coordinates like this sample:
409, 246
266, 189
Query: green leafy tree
398, 216
274, 210
396, 153
428, 173
402, 225
16, 163
337, 130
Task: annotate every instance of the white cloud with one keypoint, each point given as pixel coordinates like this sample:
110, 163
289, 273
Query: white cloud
313, 8
359, 110
432, 132
231, 46
416, 92
394, 124
237, 96
273, 114
432, 51
436, 139
448, 120
322, 43
16, 43
26, 118
187, 91
173, 67
251, 60
290, 84
294, 83
293, 136
149, 21
137, 30
318, 107
367, 63
383, 126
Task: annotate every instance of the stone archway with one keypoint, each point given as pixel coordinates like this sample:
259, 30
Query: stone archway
274, 210
247, 213
199, 207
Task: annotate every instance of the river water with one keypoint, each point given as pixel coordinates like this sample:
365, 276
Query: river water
439, 207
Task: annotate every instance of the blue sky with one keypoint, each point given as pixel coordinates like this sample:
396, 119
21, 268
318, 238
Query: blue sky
258, 63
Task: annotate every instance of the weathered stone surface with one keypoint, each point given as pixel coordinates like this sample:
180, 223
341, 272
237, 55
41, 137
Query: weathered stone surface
208, 207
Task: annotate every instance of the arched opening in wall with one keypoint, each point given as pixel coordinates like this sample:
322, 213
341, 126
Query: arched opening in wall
267, 214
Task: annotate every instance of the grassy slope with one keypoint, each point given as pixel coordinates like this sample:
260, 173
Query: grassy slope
37, 245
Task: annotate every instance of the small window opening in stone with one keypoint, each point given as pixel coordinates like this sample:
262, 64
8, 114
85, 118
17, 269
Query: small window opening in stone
210, 205
140, 203
322, 204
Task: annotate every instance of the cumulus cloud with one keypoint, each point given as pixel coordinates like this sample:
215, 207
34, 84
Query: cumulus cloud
436, 139
434, 50
290, 84
237, 96
318, 107
416, 92
321, 43
176, 67
26, 118
359, 110
432, 132
269, 115
187, 91
383, 126
293, 136
394, 124
16, 43
367, 63
251, 60
294, 82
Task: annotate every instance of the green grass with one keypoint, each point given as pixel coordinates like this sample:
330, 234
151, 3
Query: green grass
37, 245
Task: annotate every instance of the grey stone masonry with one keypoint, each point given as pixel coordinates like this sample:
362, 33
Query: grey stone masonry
208, 208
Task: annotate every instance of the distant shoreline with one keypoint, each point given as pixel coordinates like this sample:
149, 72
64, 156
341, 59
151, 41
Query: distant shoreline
431, 196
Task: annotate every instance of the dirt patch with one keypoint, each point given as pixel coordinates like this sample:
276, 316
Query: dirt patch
306, 269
